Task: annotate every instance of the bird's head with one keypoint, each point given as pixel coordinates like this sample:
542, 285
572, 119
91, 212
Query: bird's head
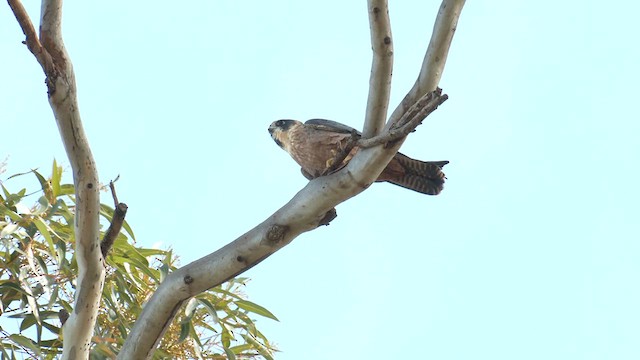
279, 131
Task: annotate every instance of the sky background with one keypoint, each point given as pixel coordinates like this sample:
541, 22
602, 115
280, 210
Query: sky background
532, 250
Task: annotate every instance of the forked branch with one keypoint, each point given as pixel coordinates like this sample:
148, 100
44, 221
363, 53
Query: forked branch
302, 213
32, 41
398, 131
435, 57
49, 50
409, 121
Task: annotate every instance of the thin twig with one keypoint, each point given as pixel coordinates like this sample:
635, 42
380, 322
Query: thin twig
409, 121
113, 191
417, 107
436, 56
32, 41
117, 221
336, 162
405, 125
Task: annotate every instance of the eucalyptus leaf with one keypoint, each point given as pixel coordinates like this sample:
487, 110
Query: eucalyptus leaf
184, 330
255, 308
190, 307
44, 231
133, 274
26, 343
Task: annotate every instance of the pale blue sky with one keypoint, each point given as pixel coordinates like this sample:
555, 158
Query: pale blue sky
532, 250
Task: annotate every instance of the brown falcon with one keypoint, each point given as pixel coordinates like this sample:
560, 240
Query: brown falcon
314, 145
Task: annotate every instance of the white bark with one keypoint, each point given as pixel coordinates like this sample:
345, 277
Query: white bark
435, 57
306, 209
381, 68
78, 329
48, 48
300, 214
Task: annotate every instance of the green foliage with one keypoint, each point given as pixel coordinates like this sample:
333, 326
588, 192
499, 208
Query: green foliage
38, 270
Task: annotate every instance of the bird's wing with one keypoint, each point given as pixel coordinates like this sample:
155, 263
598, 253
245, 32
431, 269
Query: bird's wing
330, 125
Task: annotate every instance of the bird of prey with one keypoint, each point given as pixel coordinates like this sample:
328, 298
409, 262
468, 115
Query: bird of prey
315, 143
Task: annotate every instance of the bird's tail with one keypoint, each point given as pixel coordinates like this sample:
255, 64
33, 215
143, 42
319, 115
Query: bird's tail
422, 176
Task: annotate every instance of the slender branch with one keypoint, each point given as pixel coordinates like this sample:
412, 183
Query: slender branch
415, 110
435, 57
368, 163
306, 211
403, 118
32, 41
49, 50
302, 213
381, 68
379, 80
409, 121
25, 24
405, 125
112, 187
51, 26
336, 162
120, 211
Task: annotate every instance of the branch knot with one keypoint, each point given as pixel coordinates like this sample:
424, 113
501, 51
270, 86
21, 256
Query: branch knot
276, 233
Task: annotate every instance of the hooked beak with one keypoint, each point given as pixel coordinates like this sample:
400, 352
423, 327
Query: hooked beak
272, 132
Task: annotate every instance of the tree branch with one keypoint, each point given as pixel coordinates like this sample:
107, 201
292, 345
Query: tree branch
381, 68
379, 80
405, 125
336, 162
32, 41
302, 213
50, 52
435, 57
112, 187
368, 163
120, 211
409, 121
114, 228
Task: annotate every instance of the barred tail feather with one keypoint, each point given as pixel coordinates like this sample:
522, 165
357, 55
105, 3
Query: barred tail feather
422, 176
